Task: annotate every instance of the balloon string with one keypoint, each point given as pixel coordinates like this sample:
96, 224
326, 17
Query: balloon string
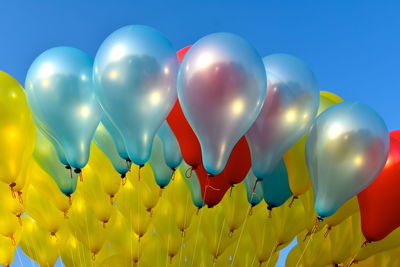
19, 219
66, 214
230, 193
291, 202
251, 210
327, 231
12, 185
140, 167
255, 185
353, 259
273, 250
81, 176
13, 242
198, 210
20, 197
313, 231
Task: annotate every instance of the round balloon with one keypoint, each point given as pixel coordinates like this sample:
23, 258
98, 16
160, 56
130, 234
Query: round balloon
346, 149
221, 88
60, 94
289, 109
135, 80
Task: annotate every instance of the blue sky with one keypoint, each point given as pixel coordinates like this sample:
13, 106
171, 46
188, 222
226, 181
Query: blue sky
352, 46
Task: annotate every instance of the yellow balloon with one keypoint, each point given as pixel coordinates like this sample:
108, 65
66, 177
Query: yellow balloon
85, 226
129, 203
294, 256
310, 215
345, 211
39, 245
9, 224
295, 160
16, 128
40, 208
10, 202
235, 207
92, 191
315, 251
7, 250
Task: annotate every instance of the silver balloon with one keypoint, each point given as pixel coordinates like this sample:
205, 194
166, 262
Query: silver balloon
289, 109
221, 89
346, 149
135, 73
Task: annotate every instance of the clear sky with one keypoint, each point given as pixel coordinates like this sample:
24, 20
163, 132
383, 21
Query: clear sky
352, 46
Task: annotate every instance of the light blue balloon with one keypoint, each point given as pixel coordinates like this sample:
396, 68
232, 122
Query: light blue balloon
221, 89
276, 187
254, 195
60, 94
162, 173
172, 152
46, 157
135, 76
193, 184
290, 107
105, 142
346, 149
116, 136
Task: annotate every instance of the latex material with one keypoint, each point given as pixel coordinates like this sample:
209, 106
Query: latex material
346, 149
276, 188
379, 201
221, 88
290, 106
253, 196
162, 173
61, 77
295, 158
16, 127
116, 136
135, 79
171, 150
193, 185
104, 141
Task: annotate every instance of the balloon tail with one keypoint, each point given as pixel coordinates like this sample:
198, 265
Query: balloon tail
230, 193
306, 236
291, 202
251, 210
20, 197
66, 214
183, 233
198, 210
255, 185
105, 224
230, 233
277, 246
269, 208
93, 256
19, 219
173, 174
327, 231
81, 176
140, 167
366, 242
124, 181
170, 259
13, 242
161, 192
215, 258
69, 200
189, 172
68, 167
12, 185
129, 164
112, 200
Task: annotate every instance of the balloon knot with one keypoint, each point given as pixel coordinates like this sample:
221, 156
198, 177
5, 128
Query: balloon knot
20, 197
230, 233
19, 219
123, 175
77, 170
328, 229
69, 199
13, 242
124, 181
230, 192
255, 185
251, 210
291, 202
210, 175
68, 167
366, 242
140, 167
320, 218
198, 210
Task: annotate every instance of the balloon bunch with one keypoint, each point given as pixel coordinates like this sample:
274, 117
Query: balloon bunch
110, 161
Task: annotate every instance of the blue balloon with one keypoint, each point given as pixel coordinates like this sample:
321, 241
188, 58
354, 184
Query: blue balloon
193, 184
254, 194
135, 73
46, 156
290, 107
116, 136
221, 89
60, 93
276, 187
105, 142
162, 172
172, 152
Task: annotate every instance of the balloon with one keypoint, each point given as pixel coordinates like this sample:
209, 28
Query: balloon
235, 207
221, 87
379, 201
16, 127
295, 158
104, 141
346, 148
61, 77
135, 76
172, 153
116, 136
162, 172
46, 157
290, 106
194, 186
7, 251
254, 195
276, 188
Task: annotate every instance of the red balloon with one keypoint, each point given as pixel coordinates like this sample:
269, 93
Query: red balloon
379, 203
238, 164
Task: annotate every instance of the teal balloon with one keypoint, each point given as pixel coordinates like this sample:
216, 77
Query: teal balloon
276, 187
46, 156
105, 142
172, 152
254, 195
346, 149
60, 94
116, 136
135, 73
193, 185
162, 173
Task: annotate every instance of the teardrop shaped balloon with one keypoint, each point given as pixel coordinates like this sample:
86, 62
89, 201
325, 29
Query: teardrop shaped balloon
276, 188
46, 156
116, 136
162, 173
254, 195
221, 88
346, 149
193, 184
170, 146
61, 77
289, 109
105, 142
135, 76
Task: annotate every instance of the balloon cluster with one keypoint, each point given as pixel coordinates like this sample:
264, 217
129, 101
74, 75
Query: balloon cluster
108, 162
